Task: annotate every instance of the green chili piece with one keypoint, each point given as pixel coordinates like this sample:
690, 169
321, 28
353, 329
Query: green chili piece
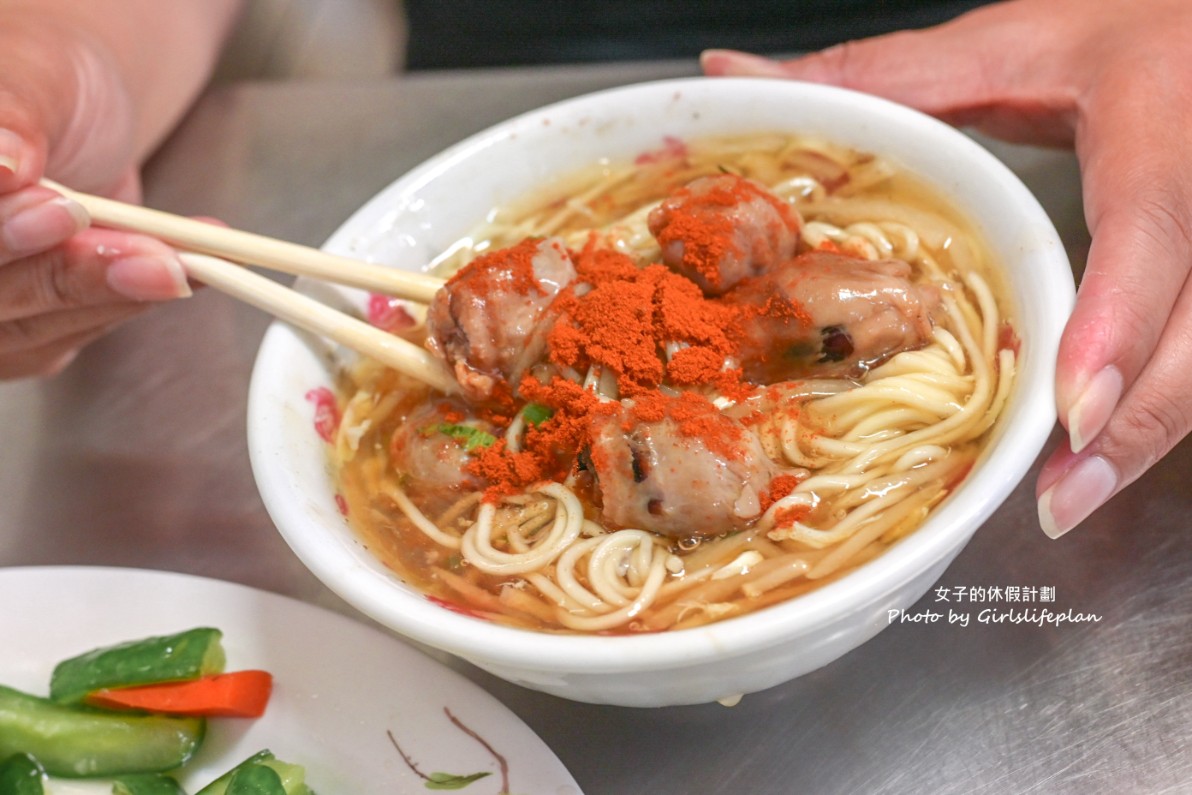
146, 784
168, 658
291, 776
220, 785
80, 741
255, 779
21, 774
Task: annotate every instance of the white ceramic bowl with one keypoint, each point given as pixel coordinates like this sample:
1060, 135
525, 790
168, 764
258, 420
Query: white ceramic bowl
421, 213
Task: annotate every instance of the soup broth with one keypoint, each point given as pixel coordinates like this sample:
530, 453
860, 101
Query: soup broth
854, 459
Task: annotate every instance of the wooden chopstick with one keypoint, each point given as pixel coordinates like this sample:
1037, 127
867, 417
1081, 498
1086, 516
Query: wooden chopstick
309, 314
246, 247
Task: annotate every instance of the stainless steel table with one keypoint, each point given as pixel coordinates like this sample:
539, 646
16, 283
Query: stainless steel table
136, 457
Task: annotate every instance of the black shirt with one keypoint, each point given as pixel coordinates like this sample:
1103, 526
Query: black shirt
446, 34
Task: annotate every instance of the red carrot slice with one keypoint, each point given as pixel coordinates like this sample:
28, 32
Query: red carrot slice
239, 694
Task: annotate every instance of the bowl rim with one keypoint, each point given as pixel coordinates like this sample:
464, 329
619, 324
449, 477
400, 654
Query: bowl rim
1004, 464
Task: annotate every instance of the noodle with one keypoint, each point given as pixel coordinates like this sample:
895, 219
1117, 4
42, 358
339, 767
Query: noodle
872, 456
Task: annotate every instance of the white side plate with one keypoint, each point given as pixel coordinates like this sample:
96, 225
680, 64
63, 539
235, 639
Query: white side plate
340, 688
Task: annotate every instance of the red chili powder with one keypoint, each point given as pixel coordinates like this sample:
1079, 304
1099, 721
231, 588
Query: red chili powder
621, 317
788, 516
780, 486
548, 450
611, 325
697, 220
706, 239
506, 269
694, 416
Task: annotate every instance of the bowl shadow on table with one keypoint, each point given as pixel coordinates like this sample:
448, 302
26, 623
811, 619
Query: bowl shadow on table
980, 688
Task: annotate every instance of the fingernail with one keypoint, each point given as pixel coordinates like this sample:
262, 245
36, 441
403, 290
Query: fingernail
730, 63
1091, 409
10, 151
44, 225
1081, 490
148, 278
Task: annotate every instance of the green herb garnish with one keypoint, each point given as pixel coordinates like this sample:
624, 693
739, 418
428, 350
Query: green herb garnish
535, 414
470, 437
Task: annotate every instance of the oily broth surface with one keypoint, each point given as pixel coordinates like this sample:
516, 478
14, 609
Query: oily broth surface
847, 187
602, 194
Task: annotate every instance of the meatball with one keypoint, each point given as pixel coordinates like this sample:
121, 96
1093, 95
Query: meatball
431, 446
825, 314
489, 322
719, 230
676, 476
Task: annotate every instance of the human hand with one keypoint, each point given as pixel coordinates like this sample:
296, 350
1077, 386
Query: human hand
1114, 80
64, 112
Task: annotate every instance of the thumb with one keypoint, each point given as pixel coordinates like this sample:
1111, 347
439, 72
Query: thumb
63, 109
960, 72
37, 93
21, 162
